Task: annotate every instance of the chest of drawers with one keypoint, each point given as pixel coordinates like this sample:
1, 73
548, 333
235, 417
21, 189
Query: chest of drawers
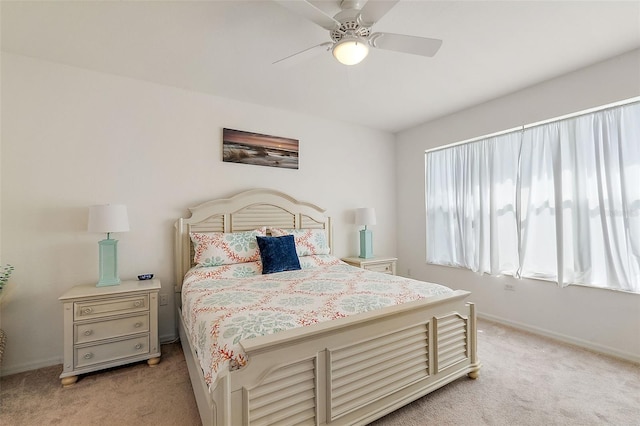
109, 326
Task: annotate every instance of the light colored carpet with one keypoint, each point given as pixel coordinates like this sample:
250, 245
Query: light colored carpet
130, 395
531, 380
525, 380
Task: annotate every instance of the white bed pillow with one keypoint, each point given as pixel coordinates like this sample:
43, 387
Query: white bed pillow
308, 241
220, 248
315, 260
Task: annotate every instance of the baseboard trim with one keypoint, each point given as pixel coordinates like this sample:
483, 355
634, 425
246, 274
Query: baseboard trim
168, 338
594, 347
21, 368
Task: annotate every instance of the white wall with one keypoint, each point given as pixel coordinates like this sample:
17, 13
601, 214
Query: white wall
604, 320
72, 138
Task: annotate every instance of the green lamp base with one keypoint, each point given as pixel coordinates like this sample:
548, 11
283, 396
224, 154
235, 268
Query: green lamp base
366, 244
108, 263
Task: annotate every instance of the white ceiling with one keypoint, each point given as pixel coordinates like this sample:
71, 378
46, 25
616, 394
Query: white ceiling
226, 48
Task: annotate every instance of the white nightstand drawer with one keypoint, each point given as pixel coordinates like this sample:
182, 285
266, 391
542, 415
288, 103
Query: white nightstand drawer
105, 307
385, 265
106, 352
385, 268
92, 331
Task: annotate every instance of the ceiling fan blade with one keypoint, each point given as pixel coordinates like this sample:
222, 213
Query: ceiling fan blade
373, 10
404, 43
304, 54
309, 11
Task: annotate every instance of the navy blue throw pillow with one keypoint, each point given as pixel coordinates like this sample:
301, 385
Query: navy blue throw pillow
278, 254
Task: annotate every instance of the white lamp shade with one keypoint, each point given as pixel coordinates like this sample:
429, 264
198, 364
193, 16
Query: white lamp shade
108, 218
366, 216
350, 51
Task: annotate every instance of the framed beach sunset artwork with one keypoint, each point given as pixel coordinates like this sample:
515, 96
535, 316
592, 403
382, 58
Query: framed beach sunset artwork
260, 150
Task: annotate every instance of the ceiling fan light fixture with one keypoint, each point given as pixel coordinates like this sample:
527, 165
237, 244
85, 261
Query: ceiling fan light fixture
350, 51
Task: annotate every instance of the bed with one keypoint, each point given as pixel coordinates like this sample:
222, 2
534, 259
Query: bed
352, 369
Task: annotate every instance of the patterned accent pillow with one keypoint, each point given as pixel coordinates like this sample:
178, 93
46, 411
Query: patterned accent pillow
308, 241
226, 248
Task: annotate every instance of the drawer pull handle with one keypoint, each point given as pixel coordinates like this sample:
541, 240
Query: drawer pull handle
88, 355
139, 346
138, 325
88, 332
137, 303
87, 310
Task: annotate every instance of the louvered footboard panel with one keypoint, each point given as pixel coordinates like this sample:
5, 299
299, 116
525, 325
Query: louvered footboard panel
451, 340
367, 371
287, 396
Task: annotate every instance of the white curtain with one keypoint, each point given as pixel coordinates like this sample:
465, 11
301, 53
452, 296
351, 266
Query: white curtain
580, 188
537, 225
471, 205
559, 201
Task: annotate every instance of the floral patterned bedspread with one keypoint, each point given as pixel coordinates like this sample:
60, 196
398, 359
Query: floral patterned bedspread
224, 305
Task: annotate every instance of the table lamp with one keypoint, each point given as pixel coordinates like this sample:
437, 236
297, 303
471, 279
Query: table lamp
366, 216
108, 218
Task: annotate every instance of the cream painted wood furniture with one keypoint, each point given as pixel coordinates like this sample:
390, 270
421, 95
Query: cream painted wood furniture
349, 371
109, 326
386, 265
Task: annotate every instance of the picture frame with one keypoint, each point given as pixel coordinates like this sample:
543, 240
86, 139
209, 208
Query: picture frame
239, 146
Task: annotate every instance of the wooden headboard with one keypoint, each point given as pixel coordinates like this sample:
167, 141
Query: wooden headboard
243, 212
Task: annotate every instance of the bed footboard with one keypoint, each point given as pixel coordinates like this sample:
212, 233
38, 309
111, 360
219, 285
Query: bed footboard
350, 371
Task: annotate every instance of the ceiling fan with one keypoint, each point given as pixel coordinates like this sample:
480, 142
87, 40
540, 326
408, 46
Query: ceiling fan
351, 34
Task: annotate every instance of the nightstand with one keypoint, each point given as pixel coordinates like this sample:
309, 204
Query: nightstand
386, 265
109, 326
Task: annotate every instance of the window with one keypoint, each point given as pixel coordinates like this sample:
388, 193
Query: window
558, 201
